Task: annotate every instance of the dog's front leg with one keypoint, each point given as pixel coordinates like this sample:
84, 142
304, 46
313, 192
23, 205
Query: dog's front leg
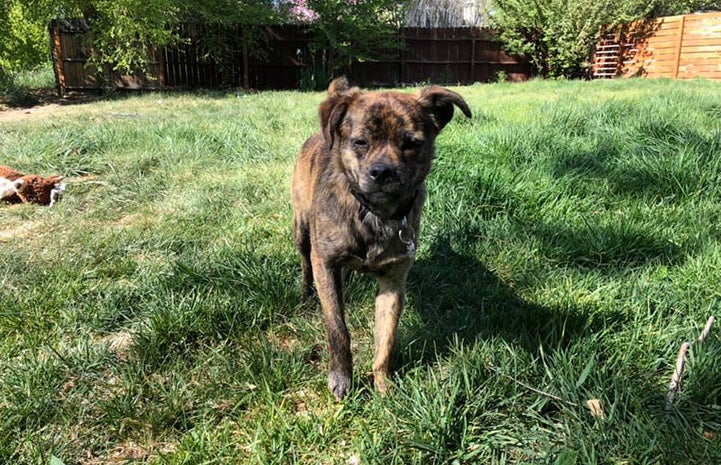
328, 286
389, 305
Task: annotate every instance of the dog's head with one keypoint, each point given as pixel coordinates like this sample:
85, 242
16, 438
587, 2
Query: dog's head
384, 142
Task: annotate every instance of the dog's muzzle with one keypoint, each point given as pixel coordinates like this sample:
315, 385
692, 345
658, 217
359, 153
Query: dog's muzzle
383, 173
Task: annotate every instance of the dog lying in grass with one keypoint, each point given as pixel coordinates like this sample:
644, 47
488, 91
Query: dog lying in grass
358, 191
16, 187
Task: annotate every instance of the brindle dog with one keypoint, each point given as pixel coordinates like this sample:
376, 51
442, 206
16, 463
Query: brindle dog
358, 190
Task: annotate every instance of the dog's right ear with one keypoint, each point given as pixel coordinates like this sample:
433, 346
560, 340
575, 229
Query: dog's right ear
332, 111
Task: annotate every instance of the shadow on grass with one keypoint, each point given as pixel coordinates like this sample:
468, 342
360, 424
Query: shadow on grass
458, 297
24, 98
657, 159
608, 247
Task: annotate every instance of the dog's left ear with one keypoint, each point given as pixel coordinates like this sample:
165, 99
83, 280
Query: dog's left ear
438, 102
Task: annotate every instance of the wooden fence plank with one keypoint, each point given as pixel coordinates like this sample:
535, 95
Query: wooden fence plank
679, 47
666, 47
56, 47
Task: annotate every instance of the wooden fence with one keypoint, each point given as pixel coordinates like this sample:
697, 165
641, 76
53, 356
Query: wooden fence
443, 56
678, 47
74, 72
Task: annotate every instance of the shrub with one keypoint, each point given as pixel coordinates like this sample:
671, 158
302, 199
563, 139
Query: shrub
345, 31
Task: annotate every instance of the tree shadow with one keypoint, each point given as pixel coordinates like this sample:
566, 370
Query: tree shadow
608, 247
653, 158
458, 298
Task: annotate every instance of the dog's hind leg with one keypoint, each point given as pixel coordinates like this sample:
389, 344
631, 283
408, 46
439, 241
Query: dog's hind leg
301, 236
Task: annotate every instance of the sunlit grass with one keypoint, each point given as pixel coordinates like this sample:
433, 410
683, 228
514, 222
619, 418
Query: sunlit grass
570, 244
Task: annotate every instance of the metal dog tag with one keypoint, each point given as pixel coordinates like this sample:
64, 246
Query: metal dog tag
405, 234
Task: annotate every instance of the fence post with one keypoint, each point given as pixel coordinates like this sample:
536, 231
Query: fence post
472, 78
246, 67
160, 67
679, 47
57, 54
402, 55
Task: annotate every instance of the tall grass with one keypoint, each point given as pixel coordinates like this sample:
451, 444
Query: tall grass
22, 88
570, 244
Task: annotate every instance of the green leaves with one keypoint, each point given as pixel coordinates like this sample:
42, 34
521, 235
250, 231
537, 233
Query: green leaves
353, 31
23, 41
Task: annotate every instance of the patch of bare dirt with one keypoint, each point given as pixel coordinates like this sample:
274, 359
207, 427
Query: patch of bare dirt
47, 101
131, 451
119, 343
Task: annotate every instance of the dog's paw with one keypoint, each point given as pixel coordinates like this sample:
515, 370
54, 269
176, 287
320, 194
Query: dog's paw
380, 380
339, 384
308, 295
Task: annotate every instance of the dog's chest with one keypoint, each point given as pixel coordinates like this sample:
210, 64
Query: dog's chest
380, 246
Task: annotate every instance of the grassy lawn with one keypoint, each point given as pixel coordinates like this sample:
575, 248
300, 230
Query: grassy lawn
571, 243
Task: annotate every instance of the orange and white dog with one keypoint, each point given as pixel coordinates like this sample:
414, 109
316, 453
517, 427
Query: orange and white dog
17, 187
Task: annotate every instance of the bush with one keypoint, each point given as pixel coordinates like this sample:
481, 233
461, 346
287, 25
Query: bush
23, 39
345, 32
12, 94
23, 88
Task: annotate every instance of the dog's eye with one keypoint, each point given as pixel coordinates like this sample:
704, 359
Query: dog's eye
412, 144
360, 144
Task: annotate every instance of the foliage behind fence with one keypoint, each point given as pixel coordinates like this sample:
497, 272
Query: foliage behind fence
442, 55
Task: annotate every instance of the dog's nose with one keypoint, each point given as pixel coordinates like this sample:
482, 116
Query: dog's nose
381, 172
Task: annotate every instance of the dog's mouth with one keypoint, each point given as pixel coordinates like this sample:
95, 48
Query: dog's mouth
385, 205
378, 199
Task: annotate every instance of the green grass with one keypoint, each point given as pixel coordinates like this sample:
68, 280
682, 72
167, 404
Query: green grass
570, 245
26, 88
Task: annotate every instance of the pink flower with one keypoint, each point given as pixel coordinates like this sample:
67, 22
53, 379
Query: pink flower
300, 11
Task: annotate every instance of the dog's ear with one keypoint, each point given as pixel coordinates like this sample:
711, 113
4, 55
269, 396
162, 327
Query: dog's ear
332, 111
337, 86
438, 102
